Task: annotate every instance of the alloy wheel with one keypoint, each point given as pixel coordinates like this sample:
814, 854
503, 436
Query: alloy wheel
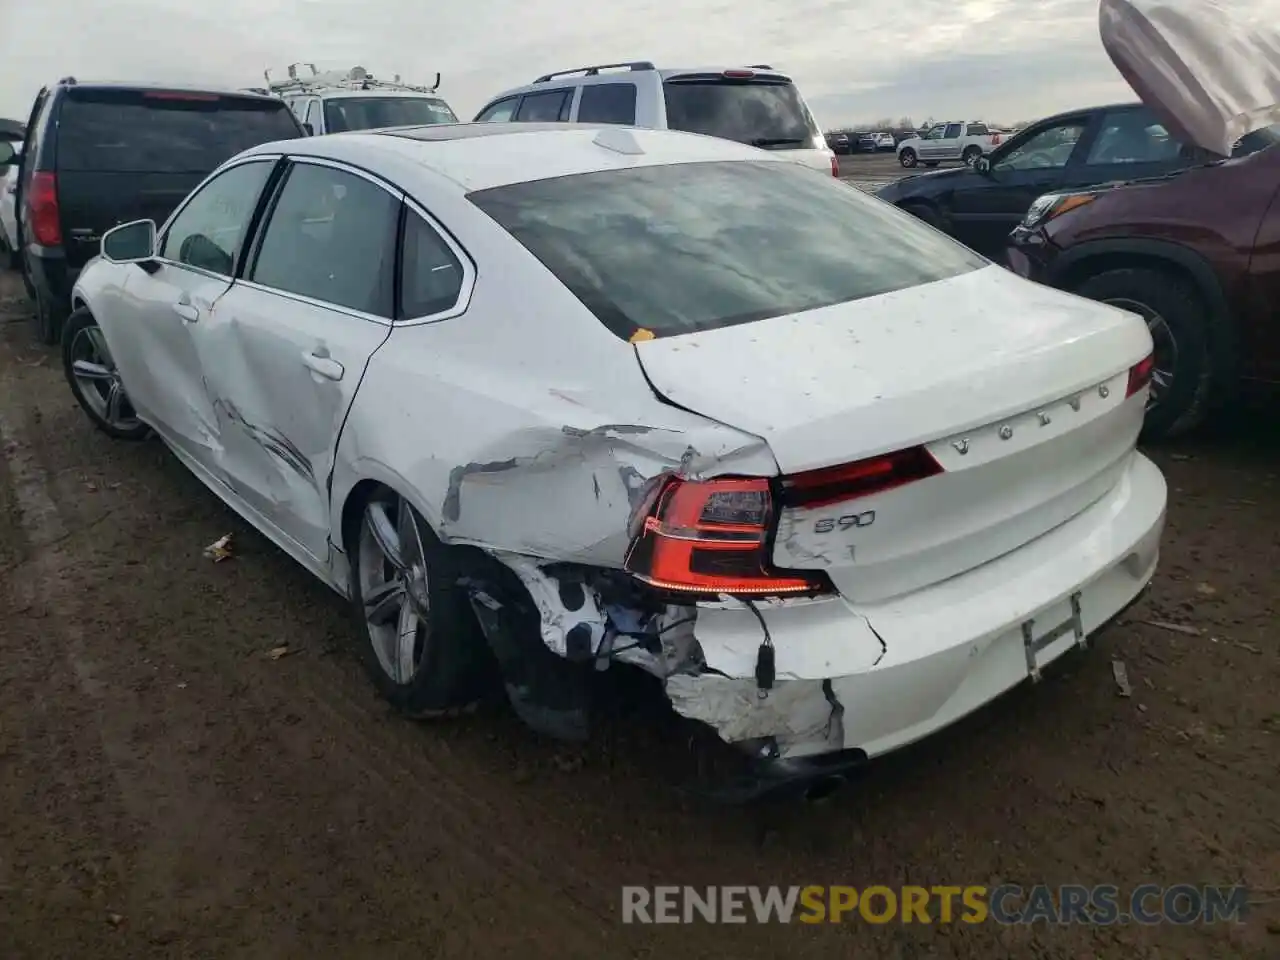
394, 587
99, 380
1165, 347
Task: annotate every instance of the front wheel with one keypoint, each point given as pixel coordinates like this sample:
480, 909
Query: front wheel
1183, 377
94, 380
422, 645
908, 158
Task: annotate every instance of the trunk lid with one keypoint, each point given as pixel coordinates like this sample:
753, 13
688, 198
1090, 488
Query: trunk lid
1210, 77
1017, 390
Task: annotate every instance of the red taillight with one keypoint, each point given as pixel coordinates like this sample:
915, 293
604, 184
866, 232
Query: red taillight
835, 166
1140, 375
819, 488
739, 74
42, 210
711, 537
995, 139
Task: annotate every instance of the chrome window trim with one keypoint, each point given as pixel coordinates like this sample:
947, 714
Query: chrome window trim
313, 302
463, 301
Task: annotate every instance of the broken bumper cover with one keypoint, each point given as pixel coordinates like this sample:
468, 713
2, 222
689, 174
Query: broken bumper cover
946, 650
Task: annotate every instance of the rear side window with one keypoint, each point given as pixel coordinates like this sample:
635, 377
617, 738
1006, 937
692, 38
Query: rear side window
544, 107
331, 237
952, 131
137, 132
694, 246
978, 130
373, 113
430, 274
761, 113
608, 103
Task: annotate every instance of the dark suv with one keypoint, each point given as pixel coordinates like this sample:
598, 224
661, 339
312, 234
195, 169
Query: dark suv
1193, 253
100, 154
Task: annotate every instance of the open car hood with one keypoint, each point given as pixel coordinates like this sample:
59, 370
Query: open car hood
1210, 76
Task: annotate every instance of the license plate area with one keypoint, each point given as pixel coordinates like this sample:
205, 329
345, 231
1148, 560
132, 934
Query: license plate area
1033, 642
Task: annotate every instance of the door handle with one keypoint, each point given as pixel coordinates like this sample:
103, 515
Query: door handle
188, 312
323, 366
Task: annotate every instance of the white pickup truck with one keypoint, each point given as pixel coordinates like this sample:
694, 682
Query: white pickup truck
965, 140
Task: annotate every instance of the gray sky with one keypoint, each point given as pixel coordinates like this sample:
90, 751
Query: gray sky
1003, 60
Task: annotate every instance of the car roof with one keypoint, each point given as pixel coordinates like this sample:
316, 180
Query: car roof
476, 156
145, 86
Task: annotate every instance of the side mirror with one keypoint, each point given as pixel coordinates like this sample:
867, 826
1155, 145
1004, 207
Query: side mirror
8, 156
130, 242
311, 131
982, 165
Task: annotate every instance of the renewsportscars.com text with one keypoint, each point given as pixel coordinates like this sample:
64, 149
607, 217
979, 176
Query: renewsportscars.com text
1181, 904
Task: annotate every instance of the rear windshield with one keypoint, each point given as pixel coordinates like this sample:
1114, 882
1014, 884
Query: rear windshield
373, 113
679, 248
761, 113
134, 132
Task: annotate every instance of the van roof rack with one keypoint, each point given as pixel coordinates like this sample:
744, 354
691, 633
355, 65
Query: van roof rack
357, 78
633, 65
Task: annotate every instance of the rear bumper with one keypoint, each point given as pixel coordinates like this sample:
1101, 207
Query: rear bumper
875, 677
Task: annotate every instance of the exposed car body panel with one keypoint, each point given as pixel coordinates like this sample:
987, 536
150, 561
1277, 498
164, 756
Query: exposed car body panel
1211, 76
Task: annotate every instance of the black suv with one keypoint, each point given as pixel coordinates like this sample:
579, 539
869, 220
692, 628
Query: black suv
101, 154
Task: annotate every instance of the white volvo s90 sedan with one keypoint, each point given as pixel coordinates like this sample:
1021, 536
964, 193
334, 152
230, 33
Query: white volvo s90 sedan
544, 397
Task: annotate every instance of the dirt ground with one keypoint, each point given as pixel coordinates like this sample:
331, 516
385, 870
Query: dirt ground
169, 789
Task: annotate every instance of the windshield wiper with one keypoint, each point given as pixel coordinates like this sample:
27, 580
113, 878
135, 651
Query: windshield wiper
774, 141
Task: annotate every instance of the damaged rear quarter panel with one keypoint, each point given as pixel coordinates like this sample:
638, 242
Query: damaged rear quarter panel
524, 425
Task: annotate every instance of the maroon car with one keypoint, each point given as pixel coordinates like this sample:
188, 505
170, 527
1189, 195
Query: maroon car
1196, 252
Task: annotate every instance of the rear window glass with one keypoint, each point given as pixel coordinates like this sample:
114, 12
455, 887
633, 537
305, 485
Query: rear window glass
685, 247
148, 133
763, 114
373, 113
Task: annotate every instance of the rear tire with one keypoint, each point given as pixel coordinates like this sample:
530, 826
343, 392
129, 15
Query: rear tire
971, 155
444, 667
908, 158
1184, 357
82, 344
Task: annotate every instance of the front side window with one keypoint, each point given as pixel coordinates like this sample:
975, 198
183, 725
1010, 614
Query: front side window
684, 247
608, 103
544, 107
375, 113
331, 237
210, 230
1046, 149
499, 112
936, 133
1132, 136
